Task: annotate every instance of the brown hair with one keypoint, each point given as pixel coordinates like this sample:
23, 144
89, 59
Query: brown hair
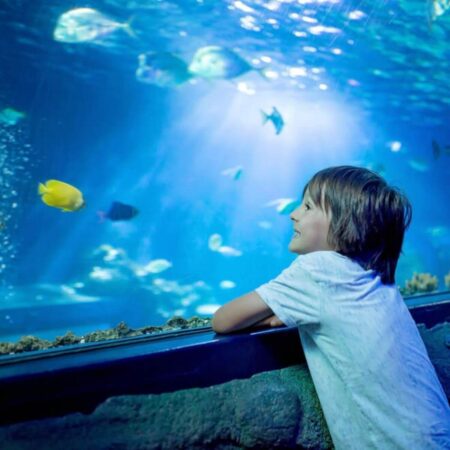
368, 217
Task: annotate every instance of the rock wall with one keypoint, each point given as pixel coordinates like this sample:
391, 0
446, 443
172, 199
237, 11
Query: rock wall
277, 409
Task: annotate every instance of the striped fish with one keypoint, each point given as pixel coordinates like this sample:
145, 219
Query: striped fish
437, 8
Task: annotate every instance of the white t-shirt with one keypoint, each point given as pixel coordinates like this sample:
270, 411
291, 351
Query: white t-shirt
376, 384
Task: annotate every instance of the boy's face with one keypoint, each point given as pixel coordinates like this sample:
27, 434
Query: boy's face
311, 226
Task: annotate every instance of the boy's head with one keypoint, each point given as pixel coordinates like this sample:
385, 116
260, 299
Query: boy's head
353, 211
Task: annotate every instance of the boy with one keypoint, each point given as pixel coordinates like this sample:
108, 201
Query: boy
376, 384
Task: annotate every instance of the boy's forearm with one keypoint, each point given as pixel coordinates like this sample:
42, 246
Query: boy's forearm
245, 312
262, 323
271, 321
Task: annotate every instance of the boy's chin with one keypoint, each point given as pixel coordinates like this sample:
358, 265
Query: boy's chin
293, 248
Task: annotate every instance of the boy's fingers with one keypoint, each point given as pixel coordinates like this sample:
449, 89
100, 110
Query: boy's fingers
276, 322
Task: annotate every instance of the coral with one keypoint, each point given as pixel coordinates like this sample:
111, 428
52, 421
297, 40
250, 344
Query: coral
30, 343
447, 280
420, 283
67, 339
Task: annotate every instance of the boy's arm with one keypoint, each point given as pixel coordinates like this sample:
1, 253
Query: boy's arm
240, 313
271, 321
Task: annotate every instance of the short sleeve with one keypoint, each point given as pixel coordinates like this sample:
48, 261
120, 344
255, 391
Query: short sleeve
293, 296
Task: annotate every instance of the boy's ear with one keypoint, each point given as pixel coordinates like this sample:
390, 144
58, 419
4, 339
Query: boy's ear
240, 313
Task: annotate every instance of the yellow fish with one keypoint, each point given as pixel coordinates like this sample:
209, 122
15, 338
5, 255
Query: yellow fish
61, 195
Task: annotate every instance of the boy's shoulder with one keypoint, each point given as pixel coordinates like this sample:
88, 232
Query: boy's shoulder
329, 264
322, 258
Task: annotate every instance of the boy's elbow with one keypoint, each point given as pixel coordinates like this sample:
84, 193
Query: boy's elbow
219, 324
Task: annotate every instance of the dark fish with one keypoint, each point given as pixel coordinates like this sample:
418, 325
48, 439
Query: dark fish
119, 211
377, 167
436, 149
275, 117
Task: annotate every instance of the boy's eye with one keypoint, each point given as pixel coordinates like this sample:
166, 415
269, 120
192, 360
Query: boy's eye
307, 206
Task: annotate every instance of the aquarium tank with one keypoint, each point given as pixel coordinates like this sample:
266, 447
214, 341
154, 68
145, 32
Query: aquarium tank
151, 151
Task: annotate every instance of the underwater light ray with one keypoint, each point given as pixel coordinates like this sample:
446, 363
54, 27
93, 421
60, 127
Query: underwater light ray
264, 154
286, 13
329, 9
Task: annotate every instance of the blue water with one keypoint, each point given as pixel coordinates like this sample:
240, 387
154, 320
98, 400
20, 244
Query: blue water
345, 95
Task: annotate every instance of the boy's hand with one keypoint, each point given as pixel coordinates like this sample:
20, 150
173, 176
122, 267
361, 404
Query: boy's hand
275, 321
271, 321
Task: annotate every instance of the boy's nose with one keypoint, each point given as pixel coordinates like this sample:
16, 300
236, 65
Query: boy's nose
293, 215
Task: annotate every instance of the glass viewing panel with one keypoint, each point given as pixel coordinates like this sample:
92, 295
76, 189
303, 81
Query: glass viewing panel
181, 134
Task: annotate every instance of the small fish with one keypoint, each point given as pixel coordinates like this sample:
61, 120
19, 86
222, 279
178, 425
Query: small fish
233, 172
436, 149
377, 167
419, 164
215, 62
61, 195
265, 225
157, 266
104, 274
108, 252
275, 117
162, 69
229, 251
10, 116
227, 284
119, 211
438, 231
285, 205
437, 8
215, 241
215, 244
86, 25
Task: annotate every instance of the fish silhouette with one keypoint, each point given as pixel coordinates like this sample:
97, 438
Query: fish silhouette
119, 211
